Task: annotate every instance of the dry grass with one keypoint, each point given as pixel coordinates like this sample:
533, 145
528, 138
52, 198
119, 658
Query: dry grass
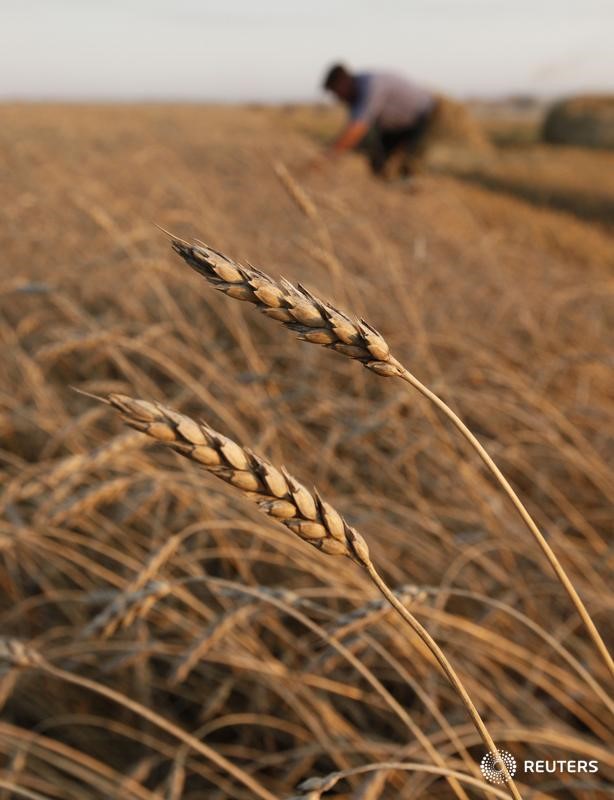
566, 178
584, 120
180, 613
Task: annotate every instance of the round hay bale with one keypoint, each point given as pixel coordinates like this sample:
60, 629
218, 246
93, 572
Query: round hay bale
586, 121
453, 135
454, 125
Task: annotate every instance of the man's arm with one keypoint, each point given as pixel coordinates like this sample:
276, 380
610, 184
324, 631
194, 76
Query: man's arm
351, 136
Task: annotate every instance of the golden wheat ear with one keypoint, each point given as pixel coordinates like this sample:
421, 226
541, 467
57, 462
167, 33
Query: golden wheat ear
312, 319
287, 501
319, 322
275, 491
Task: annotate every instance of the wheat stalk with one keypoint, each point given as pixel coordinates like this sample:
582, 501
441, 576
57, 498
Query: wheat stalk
286, 500
319, 322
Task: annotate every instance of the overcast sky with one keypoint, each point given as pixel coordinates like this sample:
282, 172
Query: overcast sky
278, 49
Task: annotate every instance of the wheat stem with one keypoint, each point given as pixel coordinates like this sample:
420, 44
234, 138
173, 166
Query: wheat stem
445, 665
522, 511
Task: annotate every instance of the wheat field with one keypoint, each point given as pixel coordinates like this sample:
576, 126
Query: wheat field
162, 638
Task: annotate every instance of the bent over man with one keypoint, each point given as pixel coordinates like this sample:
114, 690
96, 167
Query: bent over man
387, 113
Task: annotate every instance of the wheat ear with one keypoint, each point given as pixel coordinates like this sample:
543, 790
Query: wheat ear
276, 492
319, 322
311, 319
282, 497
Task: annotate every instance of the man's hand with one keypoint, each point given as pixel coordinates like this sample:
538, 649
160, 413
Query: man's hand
351, 136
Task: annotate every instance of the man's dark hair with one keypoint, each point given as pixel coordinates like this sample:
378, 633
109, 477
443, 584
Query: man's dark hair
333, 75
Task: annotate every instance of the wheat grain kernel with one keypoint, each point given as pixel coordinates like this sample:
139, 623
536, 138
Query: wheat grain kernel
383, 368
161, 431
234, 454
304, 501
351, 350
332, 547
307, 530
239, 293
246, 481
206, 455
319, 337
274, 480
190, 430
358, 545
279, 314
333, 521
281, 509
270, 296
228, 273
306, 314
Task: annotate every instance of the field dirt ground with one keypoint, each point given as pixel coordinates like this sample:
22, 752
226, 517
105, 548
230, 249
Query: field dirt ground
156, 602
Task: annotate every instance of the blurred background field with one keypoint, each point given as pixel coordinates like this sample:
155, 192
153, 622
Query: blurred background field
491, 277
